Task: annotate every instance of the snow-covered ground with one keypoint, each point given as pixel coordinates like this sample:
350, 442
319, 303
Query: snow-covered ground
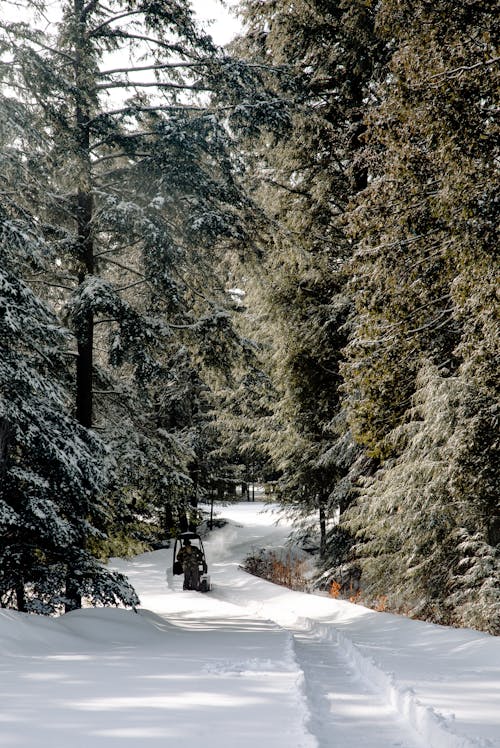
248, 664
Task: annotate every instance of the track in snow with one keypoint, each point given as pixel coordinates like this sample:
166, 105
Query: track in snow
345, 711
250, 664
336, 687
342, 707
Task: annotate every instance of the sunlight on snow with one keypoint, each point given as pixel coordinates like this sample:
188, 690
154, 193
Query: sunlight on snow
184, 700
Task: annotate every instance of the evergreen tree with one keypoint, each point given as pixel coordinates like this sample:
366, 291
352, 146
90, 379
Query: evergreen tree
424, 277
134, 188
322, 58
425, 226
51, 468
426, 522
245, 403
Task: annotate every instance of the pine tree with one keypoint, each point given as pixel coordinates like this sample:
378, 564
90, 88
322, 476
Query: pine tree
425, 225
425, 524
424, 280
51, 468
322, 58
134, 188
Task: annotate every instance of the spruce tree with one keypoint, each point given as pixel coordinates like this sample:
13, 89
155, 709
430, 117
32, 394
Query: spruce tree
424, 276
322, 58
426, 521
135, 189
425, 225
51, 468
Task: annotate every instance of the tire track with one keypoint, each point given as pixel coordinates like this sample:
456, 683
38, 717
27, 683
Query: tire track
345, 712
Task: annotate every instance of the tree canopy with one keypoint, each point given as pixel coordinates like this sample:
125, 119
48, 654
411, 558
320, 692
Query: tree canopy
380, 283
279, 258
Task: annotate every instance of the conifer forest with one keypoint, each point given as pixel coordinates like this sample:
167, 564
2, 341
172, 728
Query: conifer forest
271, 262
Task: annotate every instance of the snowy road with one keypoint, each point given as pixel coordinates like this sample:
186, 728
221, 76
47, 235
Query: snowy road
250, 665
340, 709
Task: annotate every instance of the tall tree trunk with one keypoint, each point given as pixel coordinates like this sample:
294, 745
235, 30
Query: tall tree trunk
193, 499
322, 527
4, 441
83, 216
84, 383
168, 520
20, 597
85, 251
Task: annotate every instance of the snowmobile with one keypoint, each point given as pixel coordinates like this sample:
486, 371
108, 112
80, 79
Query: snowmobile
195, 540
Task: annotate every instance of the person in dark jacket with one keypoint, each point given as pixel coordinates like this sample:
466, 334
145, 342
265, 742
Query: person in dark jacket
190, 558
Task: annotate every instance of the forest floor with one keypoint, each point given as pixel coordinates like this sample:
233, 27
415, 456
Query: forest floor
249, 664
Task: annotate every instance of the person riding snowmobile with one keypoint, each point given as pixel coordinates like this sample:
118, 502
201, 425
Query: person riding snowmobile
190, 557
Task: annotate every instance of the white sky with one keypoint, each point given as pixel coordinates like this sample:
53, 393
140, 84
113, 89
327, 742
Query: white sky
225, 25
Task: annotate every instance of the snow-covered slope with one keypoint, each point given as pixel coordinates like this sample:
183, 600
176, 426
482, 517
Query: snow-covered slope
249, 664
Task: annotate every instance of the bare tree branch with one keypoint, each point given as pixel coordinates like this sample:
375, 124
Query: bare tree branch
465, 68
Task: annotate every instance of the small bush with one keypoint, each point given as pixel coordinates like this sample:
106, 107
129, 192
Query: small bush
286, 570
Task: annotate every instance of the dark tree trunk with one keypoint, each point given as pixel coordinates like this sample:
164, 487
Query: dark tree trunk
83, 217
4, 448
85, 334
193, 499
168, 519
322, 529
85, 255
20, 597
